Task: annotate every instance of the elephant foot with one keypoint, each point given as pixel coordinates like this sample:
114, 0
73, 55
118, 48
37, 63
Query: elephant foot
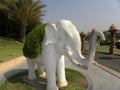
93, 62
31, 77
85, 67
52, 88
43, 75
62, 84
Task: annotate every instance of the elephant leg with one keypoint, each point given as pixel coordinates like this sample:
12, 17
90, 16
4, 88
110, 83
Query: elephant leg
93, 57
41, 71
51, 77
31, 69
49, 59
62, 82
40, 66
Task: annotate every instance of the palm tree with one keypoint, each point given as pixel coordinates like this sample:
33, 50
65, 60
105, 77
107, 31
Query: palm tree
24, 12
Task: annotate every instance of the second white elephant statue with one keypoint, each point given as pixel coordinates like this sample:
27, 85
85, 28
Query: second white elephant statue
92, 46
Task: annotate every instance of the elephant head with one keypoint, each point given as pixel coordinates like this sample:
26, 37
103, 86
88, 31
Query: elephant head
66, 40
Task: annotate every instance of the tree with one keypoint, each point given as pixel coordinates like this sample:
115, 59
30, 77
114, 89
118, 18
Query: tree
107, 36
8, 27
24, 12
118, 35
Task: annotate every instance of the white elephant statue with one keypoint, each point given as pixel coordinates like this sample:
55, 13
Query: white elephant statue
60, 40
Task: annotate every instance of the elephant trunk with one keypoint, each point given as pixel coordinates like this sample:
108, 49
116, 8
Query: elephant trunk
76, 58
93, 41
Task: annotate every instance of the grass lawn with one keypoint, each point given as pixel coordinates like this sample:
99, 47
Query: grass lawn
105, 48
75, 79
9, 49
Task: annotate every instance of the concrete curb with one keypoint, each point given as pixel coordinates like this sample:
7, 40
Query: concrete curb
113, 72
90, 82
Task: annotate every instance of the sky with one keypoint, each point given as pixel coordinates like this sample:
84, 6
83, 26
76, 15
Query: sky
84, 14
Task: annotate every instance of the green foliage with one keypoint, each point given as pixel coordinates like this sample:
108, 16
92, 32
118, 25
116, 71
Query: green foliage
118, 45
31, 26
106, 42
33, 43
24, 12
107, 36
8, 27
117, 35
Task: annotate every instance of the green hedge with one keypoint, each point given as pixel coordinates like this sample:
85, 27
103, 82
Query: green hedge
105, 43
33, 43
118, 45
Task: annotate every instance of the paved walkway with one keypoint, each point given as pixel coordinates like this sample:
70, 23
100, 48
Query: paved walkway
12, 67
98, 79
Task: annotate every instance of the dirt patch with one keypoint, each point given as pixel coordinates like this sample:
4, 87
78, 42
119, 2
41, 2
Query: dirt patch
81, 82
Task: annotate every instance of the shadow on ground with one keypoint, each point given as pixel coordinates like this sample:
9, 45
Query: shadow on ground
11, 73
20, 75
39, 83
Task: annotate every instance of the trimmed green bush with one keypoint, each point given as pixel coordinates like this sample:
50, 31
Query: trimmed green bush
33, 43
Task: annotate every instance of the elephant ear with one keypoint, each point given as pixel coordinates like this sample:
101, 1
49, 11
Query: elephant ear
51, 34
